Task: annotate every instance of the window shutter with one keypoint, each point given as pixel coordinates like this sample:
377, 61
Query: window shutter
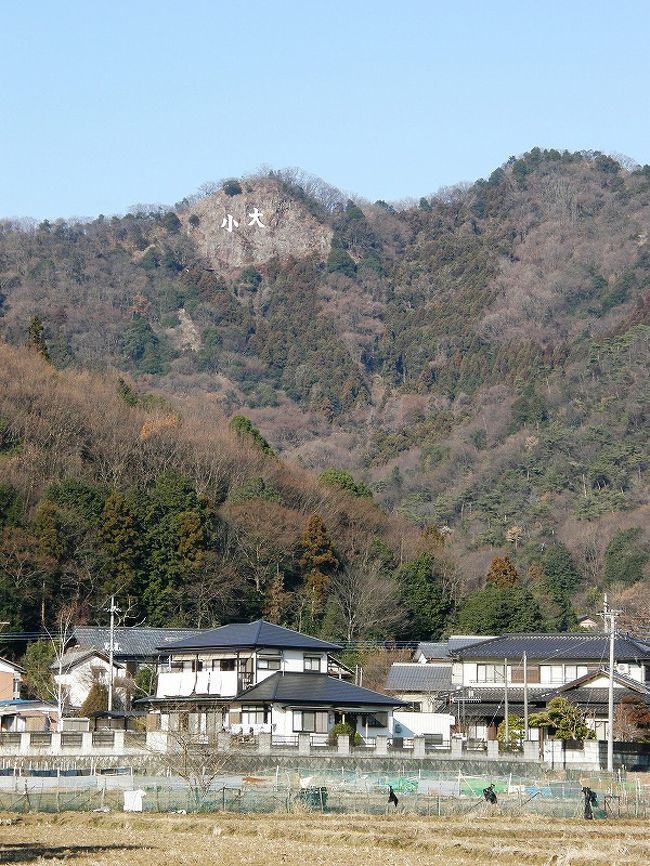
533, 674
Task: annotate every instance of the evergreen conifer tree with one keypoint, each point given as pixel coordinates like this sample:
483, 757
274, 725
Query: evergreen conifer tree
318, 560
36, 337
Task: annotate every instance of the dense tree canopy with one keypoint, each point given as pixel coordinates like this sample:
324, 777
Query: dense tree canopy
477, 361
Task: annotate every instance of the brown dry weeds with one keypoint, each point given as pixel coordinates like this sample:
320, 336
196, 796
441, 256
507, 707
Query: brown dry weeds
320, 840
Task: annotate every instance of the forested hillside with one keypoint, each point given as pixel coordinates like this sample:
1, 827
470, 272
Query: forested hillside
187, 519
469, 372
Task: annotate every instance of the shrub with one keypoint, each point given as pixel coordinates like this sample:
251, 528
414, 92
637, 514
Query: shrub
339, 261
344, 729
251, 277
171, 222
343, 480
96, 701
232, 187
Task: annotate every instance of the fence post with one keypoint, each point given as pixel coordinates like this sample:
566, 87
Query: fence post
304, 744
156, 741
343, 744
264, 744
531, 750
419, 749
381, 746
493, 750
223, 741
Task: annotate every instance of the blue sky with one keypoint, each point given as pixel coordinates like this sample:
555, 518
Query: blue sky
105, 103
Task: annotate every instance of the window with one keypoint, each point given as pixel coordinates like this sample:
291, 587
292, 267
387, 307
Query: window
253, 715
312, 663
187, 666
551, 674
489, 673
310, 721
223, 665
268, 664
573, 672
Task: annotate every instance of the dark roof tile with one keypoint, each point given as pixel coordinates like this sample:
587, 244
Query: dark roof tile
547, 647
137, 642
316, 689
251, 634
418, 678
442, 649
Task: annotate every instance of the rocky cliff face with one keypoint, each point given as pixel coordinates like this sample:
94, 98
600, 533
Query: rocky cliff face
253, 226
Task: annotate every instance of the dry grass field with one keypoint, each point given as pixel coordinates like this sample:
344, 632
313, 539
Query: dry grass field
308, 839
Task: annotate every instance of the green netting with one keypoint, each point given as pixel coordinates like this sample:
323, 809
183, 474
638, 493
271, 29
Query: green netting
422, 794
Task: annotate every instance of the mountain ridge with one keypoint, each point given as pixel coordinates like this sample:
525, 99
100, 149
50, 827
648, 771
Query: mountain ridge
479, 359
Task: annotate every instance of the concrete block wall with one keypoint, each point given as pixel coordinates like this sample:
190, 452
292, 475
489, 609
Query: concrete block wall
126, 747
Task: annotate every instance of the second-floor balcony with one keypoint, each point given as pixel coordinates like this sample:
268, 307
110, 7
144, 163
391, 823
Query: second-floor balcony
182, 684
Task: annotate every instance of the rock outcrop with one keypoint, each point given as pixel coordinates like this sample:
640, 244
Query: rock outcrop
254, 225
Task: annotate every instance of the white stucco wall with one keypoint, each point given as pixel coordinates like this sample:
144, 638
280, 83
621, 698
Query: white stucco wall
468, 676
282, 719
414, 724
174, 683
78, 680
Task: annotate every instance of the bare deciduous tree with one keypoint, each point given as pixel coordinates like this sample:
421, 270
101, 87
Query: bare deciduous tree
367, 602
193, 756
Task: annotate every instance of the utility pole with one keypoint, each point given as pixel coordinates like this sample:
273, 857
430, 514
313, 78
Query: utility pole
609, 617
59, 688
525, 664
111, 650
505, 702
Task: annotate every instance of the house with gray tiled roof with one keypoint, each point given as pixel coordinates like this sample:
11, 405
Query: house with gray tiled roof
78, 669
441, 651
425, 687
425, 683
574, 664
260, 677
133, 646
85, 660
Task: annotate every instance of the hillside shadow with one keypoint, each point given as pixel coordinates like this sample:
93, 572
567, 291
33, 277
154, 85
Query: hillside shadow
26, 852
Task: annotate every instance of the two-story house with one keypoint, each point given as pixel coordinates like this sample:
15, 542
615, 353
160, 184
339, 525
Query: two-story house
487, 675
425, 682
261, 677
77, 670
440, 651
133, 646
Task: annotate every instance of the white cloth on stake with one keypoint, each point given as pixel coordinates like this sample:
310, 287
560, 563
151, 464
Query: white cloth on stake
133, 800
